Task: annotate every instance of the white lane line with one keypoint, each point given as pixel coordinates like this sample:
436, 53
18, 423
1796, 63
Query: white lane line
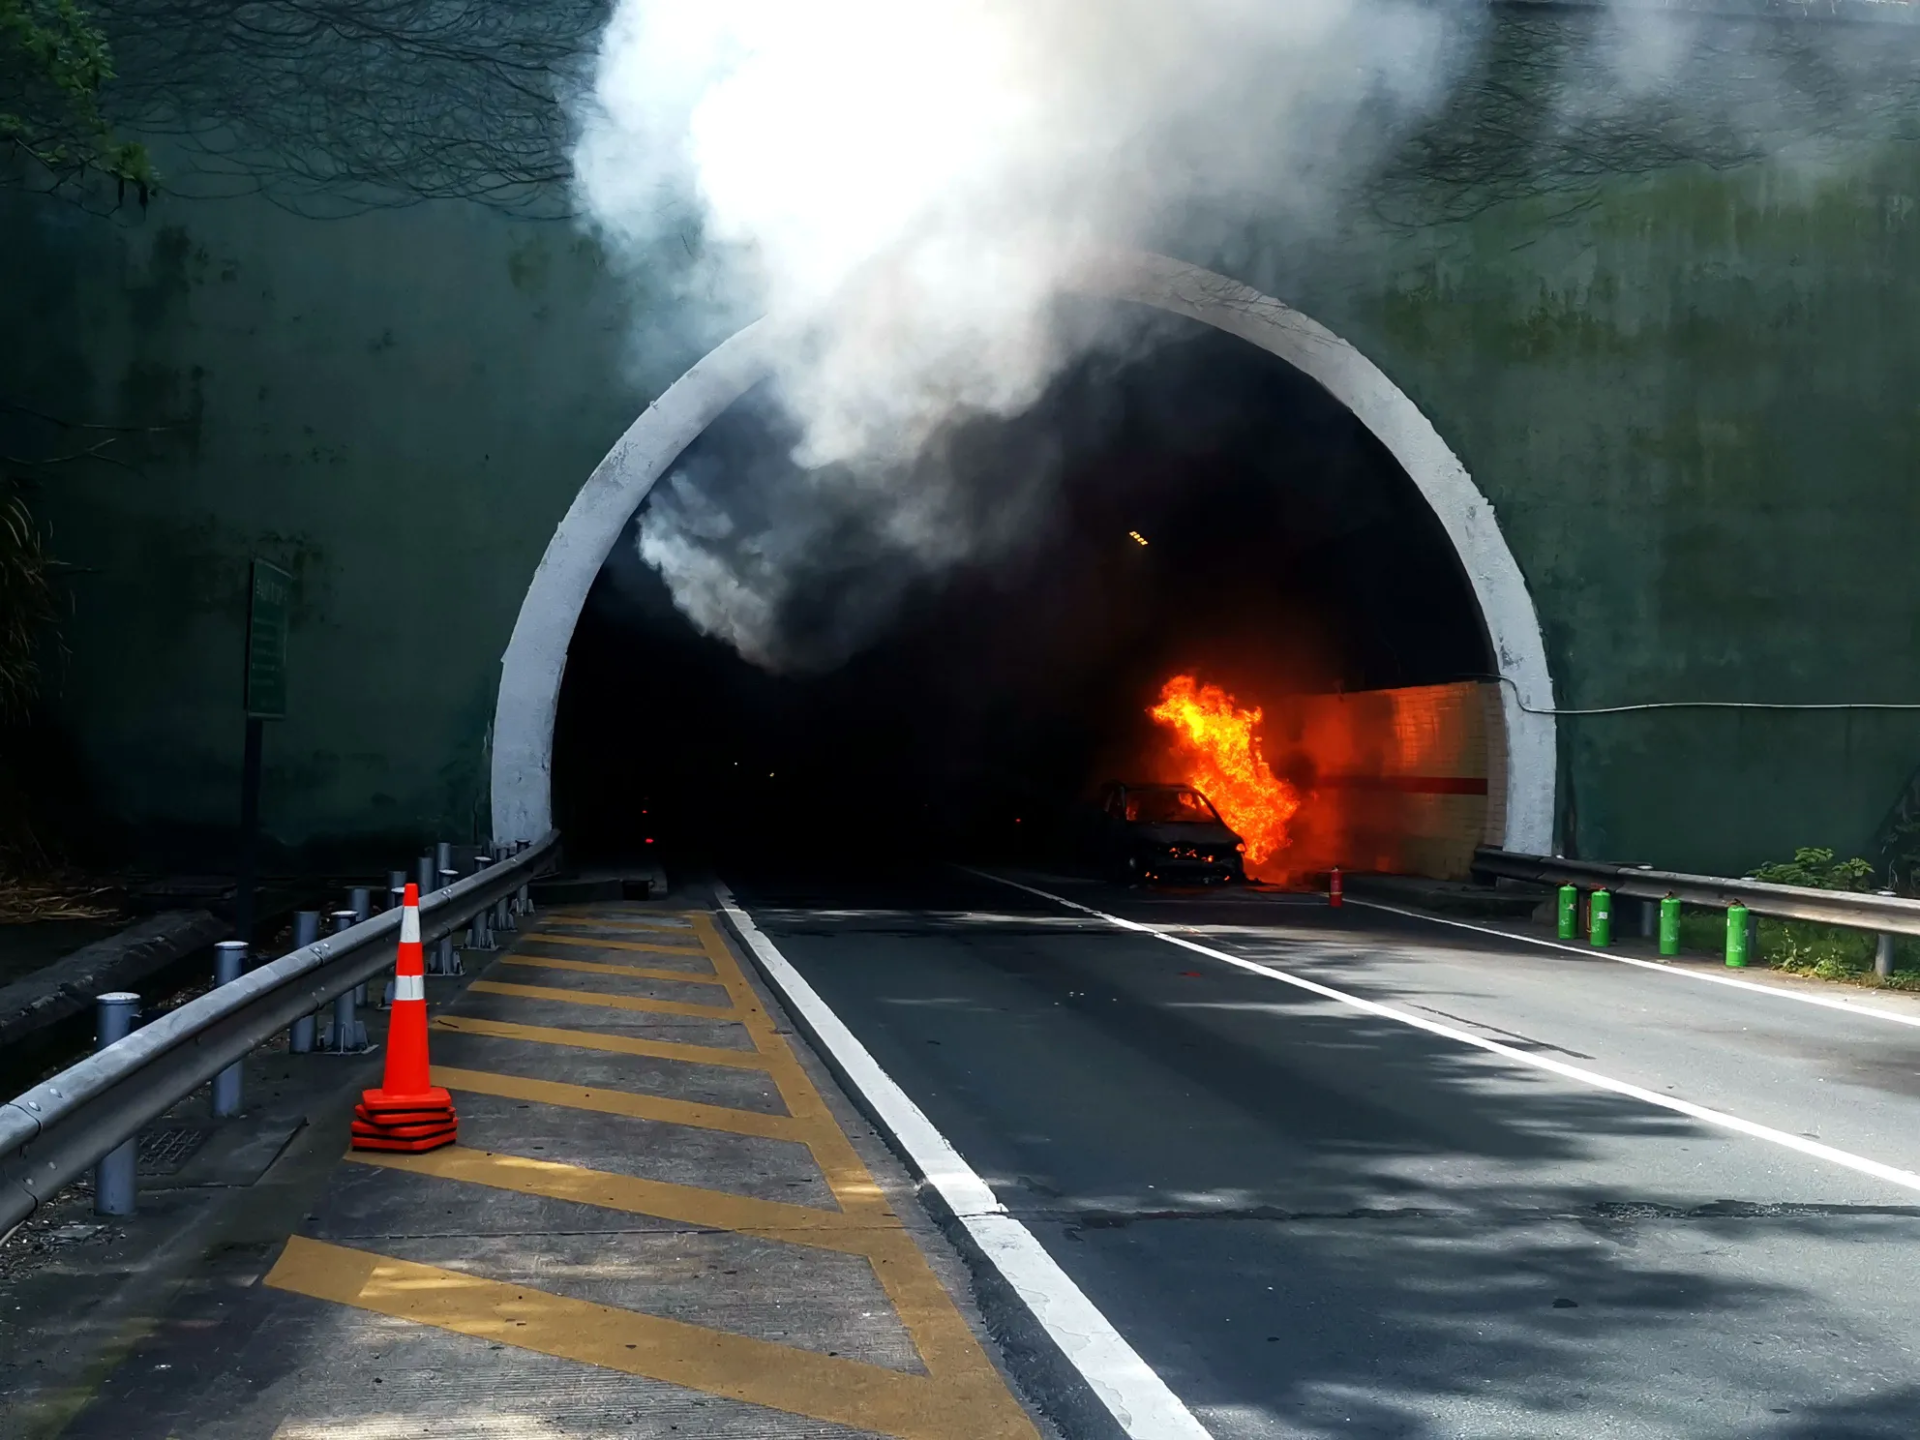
1137, 1398
1905, 1179
1776, 992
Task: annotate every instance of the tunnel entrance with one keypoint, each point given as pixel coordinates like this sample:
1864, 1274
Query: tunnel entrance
1218, 514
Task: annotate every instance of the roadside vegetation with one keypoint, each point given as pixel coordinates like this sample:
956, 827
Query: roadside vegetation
1823, 952
54, 64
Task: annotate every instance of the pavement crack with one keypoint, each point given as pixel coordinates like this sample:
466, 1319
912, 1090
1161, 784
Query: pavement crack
1742, 1210
1120, 1219
1603, 1212
1524, 1041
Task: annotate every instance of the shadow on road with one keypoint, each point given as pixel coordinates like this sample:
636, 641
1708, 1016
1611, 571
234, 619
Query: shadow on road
1314, 1220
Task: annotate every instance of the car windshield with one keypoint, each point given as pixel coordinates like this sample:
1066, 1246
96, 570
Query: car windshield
1170, 807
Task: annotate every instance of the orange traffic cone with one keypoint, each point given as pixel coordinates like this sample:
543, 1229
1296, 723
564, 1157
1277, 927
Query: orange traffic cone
407, 1112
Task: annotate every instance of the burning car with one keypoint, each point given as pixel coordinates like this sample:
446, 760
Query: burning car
1164, 832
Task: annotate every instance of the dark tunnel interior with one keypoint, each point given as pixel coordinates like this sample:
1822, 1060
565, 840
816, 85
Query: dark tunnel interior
1286, 552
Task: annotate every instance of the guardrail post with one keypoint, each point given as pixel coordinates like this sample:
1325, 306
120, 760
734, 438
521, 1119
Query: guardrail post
1649, 912
1670, 925
345, 1035
445, 960
1883, 951
503, 907
479, 930
229, 964
523, 900
360, 901
113, 1176
443, 859
1569, 912
1737, 935
306, 930
424, 872
396, 895
1600, 920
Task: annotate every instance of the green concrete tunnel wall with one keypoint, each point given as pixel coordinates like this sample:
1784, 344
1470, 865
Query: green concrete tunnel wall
1691, 393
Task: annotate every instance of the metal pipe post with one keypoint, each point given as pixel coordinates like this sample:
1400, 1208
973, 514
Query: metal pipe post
360, 901
446, 960
443, 859
480, 933
396, 897
113, 1178
346, 1035
1649, 914
306, 930
424, 872
503, 907
229, 964
1883, 951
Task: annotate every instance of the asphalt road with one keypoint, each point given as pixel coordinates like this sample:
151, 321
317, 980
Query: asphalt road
1314, 1221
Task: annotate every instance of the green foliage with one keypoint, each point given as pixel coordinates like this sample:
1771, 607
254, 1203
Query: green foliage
1828, 952
1825, 952
53, 63
1818, 870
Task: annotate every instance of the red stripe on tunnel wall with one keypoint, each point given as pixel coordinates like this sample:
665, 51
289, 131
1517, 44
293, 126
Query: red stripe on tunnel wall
1407, 784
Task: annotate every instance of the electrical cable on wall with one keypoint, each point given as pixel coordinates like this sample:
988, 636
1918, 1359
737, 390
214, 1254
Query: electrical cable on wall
1702, 704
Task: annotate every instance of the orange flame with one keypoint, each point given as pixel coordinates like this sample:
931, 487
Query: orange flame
1215, 741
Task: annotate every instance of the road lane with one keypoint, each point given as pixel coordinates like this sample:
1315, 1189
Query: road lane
1743, 1050
1313, 1221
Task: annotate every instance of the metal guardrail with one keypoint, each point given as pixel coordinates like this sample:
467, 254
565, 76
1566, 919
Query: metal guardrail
1887, 914
51, 1134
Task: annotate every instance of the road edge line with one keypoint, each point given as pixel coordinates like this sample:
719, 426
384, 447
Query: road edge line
1588, 952
1135, 1396
1579, 1074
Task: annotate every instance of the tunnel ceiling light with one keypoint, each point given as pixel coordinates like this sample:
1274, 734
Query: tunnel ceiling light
1136, 537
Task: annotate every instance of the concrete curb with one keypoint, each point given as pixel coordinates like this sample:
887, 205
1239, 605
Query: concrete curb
67, 987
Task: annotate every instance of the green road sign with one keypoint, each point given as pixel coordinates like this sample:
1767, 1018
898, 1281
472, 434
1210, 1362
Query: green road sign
267, 612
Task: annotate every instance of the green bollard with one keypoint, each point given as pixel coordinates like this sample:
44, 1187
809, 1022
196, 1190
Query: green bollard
1569, 912
1670, 925
1737, 936
1600, 920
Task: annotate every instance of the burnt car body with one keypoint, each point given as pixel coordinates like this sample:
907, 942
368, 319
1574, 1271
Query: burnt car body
1163, 832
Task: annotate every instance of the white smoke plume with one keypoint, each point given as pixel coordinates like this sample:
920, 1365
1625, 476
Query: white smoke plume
902, 185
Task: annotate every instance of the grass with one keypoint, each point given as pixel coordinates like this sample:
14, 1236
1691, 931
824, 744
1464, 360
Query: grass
1798, 947
26, 899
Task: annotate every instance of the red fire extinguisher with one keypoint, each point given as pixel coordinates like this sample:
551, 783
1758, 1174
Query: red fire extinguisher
1335, 893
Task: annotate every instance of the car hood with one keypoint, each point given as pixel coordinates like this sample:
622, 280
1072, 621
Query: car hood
1186, 834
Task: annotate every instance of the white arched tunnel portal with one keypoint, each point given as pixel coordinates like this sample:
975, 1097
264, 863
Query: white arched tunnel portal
536, 656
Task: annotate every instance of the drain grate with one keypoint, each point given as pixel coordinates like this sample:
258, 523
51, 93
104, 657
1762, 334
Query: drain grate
163, 1152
